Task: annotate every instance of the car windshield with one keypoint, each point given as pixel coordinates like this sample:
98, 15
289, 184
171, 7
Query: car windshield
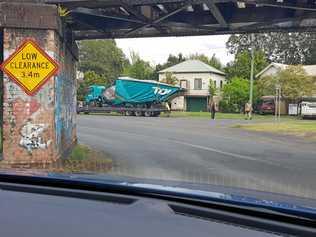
227, 100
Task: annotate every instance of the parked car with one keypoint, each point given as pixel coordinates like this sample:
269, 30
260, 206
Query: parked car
266, 107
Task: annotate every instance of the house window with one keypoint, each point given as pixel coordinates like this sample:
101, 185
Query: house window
184, 84
215, 84
221, 85
197, 84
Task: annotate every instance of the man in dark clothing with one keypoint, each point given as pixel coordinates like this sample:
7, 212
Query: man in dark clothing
213, 109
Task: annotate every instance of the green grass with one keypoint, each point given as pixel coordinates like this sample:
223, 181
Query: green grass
80, 153
84, 158
219, 115
180, 114
81, 159
299, 128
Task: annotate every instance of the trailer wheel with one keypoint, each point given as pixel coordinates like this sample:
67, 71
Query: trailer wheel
129, 113
156, 114
148, 114
138, 113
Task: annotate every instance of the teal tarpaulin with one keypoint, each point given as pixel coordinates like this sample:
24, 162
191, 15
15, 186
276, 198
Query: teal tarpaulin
136, 91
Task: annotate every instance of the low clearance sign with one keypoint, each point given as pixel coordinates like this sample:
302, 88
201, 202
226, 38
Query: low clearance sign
30, 67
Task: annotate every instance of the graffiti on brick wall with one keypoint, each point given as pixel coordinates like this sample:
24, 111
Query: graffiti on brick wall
32, 136
65, 103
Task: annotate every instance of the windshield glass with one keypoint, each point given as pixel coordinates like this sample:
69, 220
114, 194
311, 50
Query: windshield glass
228, 103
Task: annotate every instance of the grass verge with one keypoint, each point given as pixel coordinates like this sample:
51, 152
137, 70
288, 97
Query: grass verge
82, 159
299, 128
220, 115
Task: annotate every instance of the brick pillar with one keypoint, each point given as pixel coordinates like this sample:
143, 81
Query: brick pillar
47, 119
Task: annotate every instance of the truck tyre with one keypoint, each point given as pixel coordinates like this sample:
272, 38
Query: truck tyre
129, 113
148, 114
138, 113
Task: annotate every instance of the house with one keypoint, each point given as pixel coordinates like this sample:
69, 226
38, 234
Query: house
273, 69
194, 76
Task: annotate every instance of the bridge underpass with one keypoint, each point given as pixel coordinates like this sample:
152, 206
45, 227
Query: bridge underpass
41, 127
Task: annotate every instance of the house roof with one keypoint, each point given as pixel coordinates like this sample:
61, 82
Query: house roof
310, 69
192, 66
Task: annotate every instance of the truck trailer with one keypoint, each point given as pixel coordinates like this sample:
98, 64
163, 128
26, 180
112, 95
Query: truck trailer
131, 97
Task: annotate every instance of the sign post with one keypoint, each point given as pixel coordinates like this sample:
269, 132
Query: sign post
277, 103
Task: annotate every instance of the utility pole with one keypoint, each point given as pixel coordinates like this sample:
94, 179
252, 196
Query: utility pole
252, 70
277, 114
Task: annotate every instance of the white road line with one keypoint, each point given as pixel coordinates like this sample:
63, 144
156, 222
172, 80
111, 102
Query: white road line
217, 151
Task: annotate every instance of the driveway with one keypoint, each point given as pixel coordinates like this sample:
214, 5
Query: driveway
202, 151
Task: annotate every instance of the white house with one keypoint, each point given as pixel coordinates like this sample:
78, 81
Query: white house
274, 68
194, 76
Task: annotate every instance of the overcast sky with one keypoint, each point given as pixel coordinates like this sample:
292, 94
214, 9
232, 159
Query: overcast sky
157, 50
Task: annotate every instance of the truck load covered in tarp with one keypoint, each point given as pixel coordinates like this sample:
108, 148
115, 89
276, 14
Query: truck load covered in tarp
134, 91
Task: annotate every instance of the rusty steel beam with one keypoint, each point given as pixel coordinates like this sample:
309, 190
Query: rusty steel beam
158, 20
100, 14
216, 12
302, 5
196, 32
129, 2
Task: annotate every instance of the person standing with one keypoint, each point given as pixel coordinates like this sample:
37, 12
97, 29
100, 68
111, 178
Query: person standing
248, 110
213, 109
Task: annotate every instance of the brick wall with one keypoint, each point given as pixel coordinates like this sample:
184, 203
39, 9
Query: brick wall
46, 120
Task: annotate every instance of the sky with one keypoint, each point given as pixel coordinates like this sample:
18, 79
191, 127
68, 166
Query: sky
157, 50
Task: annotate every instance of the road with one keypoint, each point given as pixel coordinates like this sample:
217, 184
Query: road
202, 151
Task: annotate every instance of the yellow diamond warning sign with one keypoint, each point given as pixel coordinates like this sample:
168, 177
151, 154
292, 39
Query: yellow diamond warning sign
30, 67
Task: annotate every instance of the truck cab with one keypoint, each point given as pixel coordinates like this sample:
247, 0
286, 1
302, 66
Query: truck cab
95, 91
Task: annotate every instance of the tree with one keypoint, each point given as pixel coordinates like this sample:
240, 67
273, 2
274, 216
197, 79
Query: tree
294, 82
91, 78
171, 61
241, 65
102, 57
170, 79
213, 61
139, 68
236, 93
200, 57
279, 47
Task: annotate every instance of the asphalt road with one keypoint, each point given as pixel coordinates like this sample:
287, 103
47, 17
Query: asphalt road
202, 151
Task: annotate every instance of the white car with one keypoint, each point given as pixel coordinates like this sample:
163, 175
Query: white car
308, 109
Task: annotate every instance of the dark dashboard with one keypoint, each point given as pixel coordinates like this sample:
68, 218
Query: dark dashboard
25, 213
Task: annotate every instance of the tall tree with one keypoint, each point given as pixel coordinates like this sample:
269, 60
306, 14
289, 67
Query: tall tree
213, 61
203, 58
241, 65
279, 47
171, 61
138, 68
102, 57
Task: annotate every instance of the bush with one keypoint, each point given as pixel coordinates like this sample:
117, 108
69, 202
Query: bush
226, 107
